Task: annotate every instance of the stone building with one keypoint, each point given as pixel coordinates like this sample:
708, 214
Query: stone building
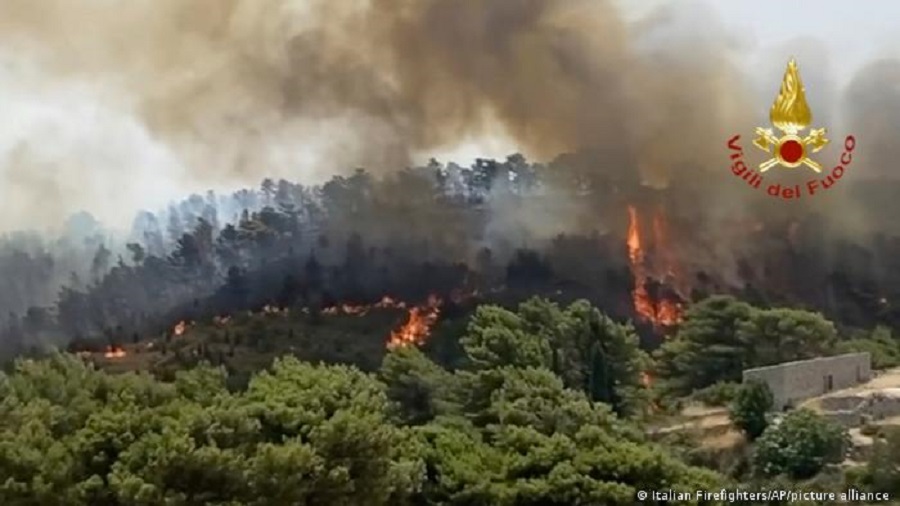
794, 382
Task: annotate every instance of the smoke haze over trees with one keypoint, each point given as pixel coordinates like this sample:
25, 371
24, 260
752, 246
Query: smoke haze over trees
299, 91
441, 229
113, 118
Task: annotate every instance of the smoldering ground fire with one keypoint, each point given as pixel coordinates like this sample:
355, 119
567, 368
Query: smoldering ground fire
413, 331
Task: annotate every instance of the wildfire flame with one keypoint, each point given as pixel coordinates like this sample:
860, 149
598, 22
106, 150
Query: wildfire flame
274, 310
641, 299
347, 309
418, 325
114, 352
668, 313
664, 312
419, 320
387, 302
363, 309
414, 331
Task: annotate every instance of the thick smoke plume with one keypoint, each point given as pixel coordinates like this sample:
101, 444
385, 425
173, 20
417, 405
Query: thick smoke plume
115, 103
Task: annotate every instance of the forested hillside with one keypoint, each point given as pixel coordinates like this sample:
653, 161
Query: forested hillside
548, 405
377, 340
442, 231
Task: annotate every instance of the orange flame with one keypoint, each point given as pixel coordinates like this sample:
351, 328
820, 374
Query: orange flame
386, 302
179, 328
347, 309
663, 313
643, 306
668, 313
419, 319
414, 331
418, 325
114, 352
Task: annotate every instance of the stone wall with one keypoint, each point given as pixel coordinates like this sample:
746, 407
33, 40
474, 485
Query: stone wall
855, 408
794, 382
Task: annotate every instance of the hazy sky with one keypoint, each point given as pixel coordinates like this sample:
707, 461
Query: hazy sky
851, 33
831, 40
79, 103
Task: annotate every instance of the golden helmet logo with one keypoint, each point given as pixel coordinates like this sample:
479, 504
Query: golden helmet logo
791, 115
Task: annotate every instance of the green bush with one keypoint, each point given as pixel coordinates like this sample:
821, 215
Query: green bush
748, 411
800, 445
882, 474
884, 348
720, 394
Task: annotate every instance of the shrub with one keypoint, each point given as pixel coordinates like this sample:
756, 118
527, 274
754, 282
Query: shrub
751, 404
720, 394
800, 445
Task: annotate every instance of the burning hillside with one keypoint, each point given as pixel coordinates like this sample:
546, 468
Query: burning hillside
598, 99
114, 352
418, 324
249, 340
386, 302
348, 247
413, 331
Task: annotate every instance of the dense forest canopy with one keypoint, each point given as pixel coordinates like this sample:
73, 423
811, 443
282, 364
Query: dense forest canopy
548, 405
495, 227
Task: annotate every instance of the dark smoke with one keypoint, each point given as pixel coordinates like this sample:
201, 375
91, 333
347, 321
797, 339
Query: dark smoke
115, 107
126, 103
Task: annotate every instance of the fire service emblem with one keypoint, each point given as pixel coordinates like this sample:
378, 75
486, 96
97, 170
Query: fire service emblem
791, 116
